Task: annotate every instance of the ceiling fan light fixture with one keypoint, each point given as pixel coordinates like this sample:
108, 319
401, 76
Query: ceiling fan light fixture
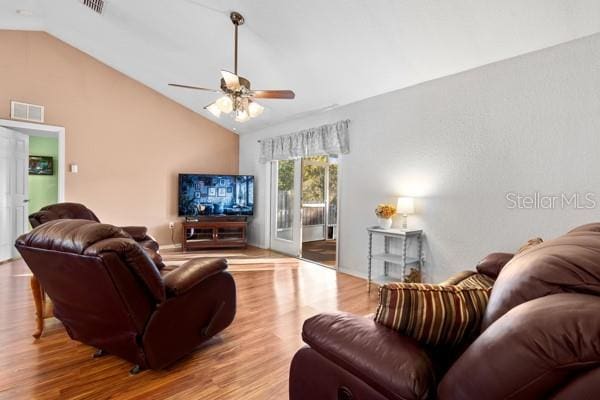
213, 108
237, 99
255, 109
241, 115
225, 104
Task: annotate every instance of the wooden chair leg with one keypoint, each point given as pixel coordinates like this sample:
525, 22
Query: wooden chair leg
38, 299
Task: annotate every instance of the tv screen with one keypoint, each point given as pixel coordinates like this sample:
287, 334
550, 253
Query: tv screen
215, 195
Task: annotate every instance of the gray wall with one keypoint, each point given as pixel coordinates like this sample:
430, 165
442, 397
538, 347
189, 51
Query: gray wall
460, 144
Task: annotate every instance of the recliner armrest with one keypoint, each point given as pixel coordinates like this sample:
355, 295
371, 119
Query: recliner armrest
189, 274
395, 365
136, 232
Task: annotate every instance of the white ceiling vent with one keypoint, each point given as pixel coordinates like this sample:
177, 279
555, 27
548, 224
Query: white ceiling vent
95, 5
26, 112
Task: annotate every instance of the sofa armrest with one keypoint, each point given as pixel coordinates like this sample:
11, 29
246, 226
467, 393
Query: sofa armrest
530, 351
136, 232
189, 274
394, 365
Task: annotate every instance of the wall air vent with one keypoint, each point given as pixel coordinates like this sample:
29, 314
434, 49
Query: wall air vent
26, 112
95, 5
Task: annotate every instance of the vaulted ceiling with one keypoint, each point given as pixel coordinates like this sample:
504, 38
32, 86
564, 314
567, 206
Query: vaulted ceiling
330, 53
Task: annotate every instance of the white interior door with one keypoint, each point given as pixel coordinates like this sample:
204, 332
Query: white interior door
286, 229
14, 165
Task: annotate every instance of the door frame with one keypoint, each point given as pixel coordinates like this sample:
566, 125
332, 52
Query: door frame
43, 130
267, 191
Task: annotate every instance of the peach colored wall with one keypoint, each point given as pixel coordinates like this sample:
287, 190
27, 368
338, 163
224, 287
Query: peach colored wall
129, 141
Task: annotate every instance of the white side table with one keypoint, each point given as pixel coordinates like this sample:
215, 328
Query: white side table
390, 259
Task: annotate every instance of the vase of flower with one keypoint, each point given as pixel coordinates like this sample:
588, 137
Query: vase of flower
384, 223
384, 213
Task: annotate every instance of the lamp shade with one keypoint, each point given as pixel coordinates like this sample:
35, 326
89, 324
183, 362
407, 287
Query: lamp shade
405, 205
225, 104
241, 116
255, 109
214, 109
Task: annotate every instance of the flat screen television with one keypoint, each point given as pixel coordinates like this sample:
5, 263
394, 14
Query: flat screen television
215, 195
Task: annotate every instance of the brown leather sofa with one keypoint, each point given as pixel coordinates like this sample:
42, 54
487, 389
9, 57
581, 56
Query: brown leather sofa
540, 339
109, 293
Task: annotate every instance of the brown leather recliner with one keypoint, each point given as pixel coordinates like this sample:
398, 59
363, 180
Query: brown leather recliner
540, 339
79, 211
61, 211
109, 293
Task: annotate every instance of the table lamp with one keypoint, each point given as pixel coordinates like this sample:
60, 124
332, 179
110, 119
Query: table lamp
405, 206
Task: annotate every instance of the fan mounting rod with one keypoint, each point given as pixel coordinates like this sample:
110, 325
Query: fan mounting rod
237, 19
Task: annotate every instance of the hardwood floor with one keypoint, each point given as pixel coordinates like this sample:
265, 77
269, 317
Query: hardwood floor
320, 251
249, 360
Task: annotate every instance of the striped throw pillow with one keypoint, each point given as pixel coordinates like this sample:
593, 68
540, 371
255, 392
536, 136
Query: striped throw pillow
476, 281
432, 314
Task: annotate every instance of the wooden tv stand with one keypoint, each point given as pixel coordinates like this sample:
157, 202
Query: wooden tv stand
216, 232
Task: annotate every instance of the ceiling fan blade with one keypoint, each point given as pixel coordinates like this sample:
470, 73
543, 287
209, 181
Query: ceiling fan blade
273, 94
194, 87
232, 81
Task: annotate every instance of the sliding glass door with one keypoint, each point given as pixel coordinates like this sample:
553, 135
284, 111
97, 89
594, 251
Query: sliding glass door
319, 210
285, 207
304, 208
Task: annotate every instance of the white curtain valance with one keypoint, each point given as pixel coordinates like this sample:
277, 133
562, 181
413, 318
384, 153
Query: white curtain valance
329, 140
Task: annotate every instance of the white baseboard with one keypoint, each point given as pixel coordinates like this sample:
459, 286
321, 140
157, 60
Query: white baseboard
260, 246
353, 272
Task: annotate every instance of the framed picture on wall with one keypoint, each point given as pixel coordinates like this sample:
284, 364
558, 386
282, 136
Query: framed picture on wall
222, 192
212, 191
40, 165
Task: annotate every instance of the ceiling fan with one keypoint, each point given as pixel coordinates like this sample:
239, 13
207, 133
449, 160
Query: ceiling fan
238, 97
